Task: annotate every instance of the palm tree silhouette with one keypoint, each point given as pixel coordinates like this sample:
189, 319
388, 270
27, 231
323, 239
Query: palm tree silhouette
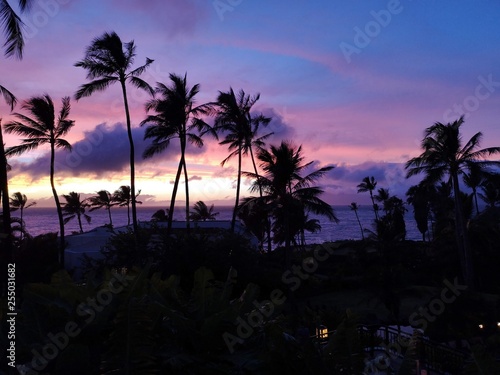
369, 184
289, 194
13, 27
419, 196
102, 199
19, 201
354, 207
490, 189
74, 207
444, 155
42, 128
5, 228
123, 198
108, 61
176, 116
201, 212
233, 118
473, 179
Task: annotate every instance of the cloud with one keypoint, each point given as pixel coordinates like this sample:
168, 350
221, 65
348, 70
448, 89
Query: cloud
278, 126
103, 150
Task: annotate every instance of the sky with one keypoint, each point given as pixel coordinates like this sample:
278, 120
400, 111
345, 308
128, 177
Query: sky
354, 82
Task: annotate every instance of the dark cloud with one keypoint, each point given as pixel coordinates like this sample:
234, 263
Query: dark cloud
280, 129
103, 150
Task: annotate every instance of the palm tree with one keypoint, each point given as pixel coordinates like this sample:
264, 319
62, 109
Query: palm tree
108, 61
74, 207
490, 189
289, 194
102, 199
419, 197
5, 228
473, 179
241, 129
382, 196
201, 212
444, 155
13, 27
369, 184
19, 202
123, 198
43, 128
176, 116
354, 207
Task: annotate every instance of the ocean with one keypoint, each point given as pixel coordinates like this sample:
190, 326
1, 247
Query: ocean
40, 220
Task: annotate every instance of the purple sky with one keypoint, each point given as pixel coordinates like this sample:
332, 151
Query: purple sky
355, 83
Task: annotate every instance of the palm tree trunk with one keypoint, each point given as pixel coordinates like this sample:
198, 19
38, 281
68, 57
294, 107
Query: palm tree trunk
183, 151
4, 192
373, 205
172, 199
128, 214
79, 222
475, 200
132, 157
235, 211
21, 209
268, 221
110, 220
462, 237
58, 204
359, 223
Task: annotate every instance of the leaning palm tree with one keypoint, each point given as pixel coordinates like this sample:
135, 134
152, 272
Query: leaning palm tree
176, 116
108, 61
19, 201
369, 184
44, 128
201, 212
241, 128
287, 193
74, 207
13, 26
354, 207
122, 197
443, 154
103, 199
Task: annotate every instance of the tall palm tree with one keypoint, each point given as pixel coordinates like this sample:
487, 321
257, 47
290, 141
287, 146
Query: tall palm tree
289, 194
443, 154
123, 198
419, 197
354, 207
369, 184
19, 201
5, 228
201, 212
241, 128
74, 207
12, 26
108, 61
176, 116
103, 199
44, 128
